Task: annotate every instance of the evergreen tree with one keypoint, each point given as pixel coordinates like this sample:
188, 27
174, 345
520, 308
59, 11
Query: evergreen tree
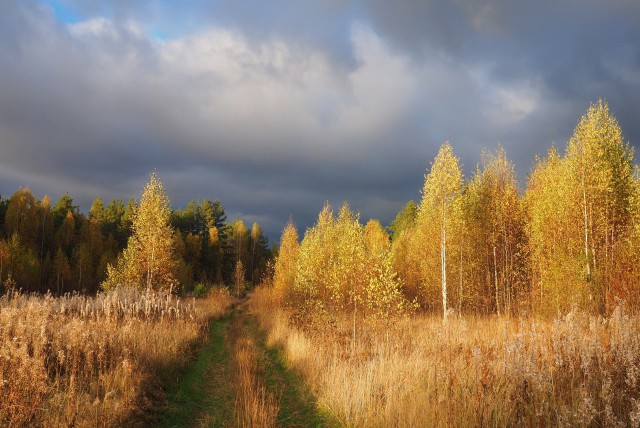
61, 208
404, 220
97, 211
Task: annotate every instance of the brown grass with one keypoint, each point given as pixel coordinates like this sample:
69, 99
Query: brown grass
254, 405
93, 361
484, 371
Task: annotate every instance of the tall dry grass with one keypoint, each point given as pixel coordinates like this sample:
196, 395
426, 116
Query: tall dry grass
94, 361
255, 406
576, 370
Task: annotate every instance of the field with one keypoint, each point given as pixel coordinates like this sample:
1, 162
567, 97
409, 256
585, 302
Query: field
577, 370
110, 360
95, 361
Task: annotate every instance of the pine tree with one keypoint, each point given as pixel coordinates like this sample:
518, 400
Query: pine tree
96, 212
404, 220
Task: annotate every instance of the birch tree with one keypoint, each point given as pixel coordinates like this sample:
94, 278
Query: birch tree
439, 211
149, 259
285, 266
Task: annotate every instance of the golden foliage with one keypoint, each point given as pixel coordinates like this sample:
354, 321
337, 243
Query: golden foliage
581, 216
285, 266
438, 226
149, 260
343, 267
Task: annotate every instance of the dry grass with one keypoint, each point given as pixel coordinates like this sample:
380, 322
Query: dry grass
575, 370
93, 361
254, 405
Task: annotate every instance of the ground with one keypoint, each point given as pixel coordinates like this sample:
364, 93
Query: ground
206, 393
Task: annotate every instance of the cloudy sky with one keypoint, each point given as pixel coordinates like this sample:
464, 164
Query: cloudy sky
276, 107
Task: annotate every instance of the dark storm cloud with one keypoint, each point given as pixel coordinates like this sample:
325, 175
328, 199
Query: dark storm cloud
573, 51
277, 107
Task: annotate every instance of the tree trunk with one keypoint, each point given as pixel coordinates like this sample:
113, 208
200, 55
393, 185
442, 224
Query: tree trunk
586, 228
461, 273
355, 313
443, 255
150, 267
495, 279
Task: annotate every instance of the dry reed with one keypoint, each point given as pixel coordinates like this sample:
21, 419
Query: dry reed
477, 371
93, 361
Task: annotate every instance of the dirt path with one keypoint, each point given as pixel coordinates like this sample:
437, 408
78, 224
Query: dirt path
237, 380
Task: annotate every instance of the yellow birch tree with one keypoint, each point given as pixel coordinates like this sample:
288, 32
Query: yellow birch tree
439, 218
149, 260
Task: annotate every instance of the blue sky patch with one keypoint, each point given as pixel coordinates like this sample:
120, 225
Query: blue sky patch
64, 13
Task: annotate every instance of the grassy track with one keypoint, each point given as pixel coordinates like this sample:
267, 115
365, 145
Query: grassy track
204, 396
206, 393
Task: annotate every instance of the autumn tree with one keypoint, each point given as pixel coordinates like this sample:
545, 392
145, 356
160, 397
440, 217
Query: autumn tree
22, 218
405, 250
66, 234
495, 222
601, 168
551, 235
149, 260
330, 263
285, 265
439, 216
580, 215
215, 238
62, 271
236, 248
376, 239
345, 268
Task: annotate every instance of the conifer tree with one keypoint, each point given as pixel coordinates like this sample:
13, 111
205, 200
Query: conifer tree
404, 220
96, 212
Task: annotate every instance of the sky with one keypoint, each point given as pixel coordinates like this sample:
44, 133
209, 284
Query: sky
277, 107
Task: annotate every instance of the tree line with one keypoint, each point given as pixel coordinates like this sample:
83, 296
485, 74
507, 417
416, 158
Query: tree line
60, 249
571, 239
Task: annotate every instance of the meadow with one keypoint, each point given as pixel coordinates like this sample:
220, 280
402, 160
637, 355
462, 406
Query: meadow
574, 370
80, 361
